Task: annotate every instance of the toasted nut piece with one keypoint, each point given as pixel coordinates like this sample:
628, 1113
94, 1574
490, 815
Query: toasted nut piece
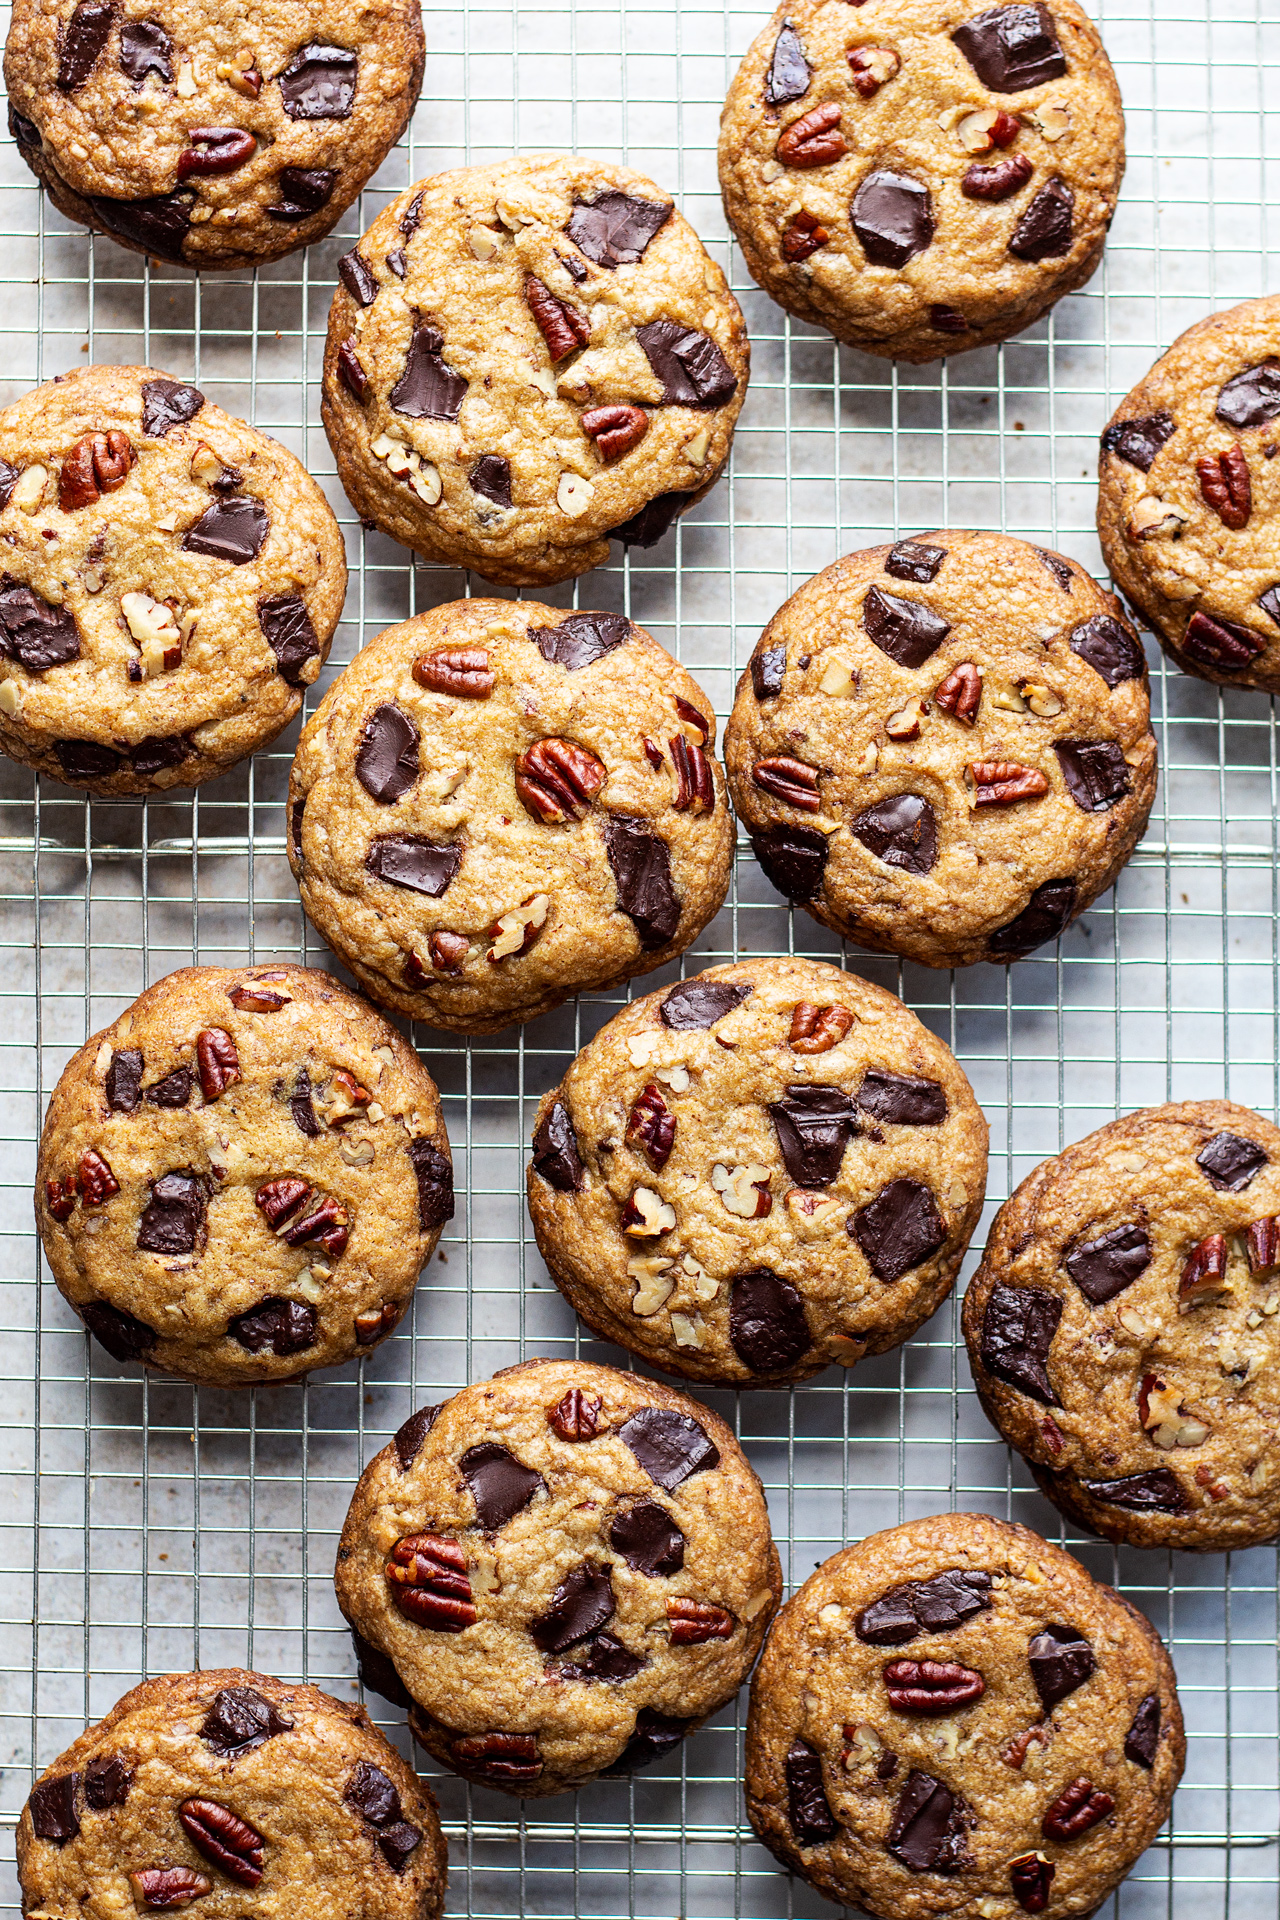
427, 1575
817, 1029
514, 932
574, 495
1030, 1878
564, 328
988, 127
97, 464
694, 717
744, 1191
999, 181
356, 1153
10, 698
60, 1198
615, 430
462, 671
322, 1222
1009, 700
1015, 1752
1262, 1244
813, 1208
217, 1060
483, 242
95, 1178
1152, 518
647, 1214
696, 449
960, 693
1204, 1274
1002, 783
802, 237
556, 780
215, 150
252, 997
245, 80
932, 1686
790, 780
159, 1888
448, 951
906, 723
277, 1199
1050, 122
695, 790
1225, 486
651, 1128
223, 1838
149, 619
498, 1756
1076, 1809
205, 465
1041, 699
814, 140
690, 1330
29, 491
693, 1621
374, 1322
655, 1282
578, 1416
347, 1099
872, 66
838, 679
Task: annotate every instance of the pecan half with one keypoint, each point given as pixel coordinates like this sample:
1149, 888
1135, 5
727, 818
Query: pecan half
498, 1756
97, 1182
1225, 486
817, 1029
60, 1197
447, 951
564, 328
1002, 783
695, 789
1262, 1244
1076, 1809
161, 1887
427, 1574
814, 140
871, 67
577, 1416
254, 998
615, 430
960, 693
557, 780
804, 236
651, 1128
1030, 1878
462, 671
932, 1686
222, 1837
97, 464
215, 150
1015, 1751
693, 1621
277, 1199
1204, 1273
997, 181
217, 1060
789, 780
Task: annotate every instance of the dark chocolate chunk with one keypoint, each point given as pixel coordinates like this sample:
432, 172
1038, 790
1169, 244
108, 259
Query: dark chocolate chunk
901, 831
1045, 230
902, 1099
231, 530
767, 669
32, 632
396, 1842
1138, 441
86, 35
491, 476
580, 1606
1230, 1162
789, 72
167, 404
555, 1151
1143, 1737
435, 1183
303, 191
356, 276
1268, 601
640, 862
1110, 649
387, 759
8, 481
428, 389
1043, 918
581, 638
501, 1485
1060, 1660
124, 1079
304, 1113
86, 760
646, 528
793, 858
1251, 398
158, 224
374, 1797
898, 1229
377, 1674
146, 49
696, 1005
296, 812
1017, 1332
929, 1821
1057, 566
808, 1810
409, 1437
767, 1326
814, 1126
275, 1325
107, 1780
924, 1606
614, 229
240, 1720
319, 83
123, 1337
52, 1806
654, 1735
892, 215
604, 1658
1012, 48
1104, 1267
906, 630
1095, 772
691, 367
1158, 1491
671, 1447
411, 218
287, 629
911, 560
159, 751
175, 1218
173, 1091
411, 860
27, 135
648, 1539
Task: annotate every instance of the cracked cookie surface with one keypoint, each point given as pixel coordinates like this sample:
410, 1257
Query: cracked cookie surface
205, 134
953, 1718
528, 359
757, 1172
231, 1794
500, 804
241, 1178
943, 749
1124, 1327
1189, 497
922, 178
170, 585
562, 1571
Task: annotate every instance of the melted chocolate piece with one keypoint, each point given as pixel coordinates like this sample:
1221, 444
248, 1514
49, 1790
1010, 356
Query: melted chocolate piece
1138, 441
1143, 1737
86, 35
604, 1658
898, 1229
814, 1126
1158, 1491
158, 224
303, 191
32, 632
175, 1218
86, 760
167, 404
767, 1326
123, 1337
319, 83
240, 1720
1017, 1333
654, 1735
276, 1325
1045, 230
434, 1174
641, 866
902, 1099
296, 812
901, 831
412, 861
793, 858
373, 1795
357, 277
124, 1079
1251, 398
924, 1606
8, 481
767, 669
52, 1806
1057, 566
1012, 48
1060, 1660
304, 1114
1110, 649
580, 1606
501, 1485
377, 1674
691, 367
27, 135
808, 1811
1268, 601
696, 1005
387, 760
159, 751
146, 49
1230, 1162
648, 1539
428, 389
671, 1447
1043, 918
287, 630
646, 528
1095, 773
409, 1437
892, 215
581, 639
107, 1780
491, 476
555, 1151
1104, 1267
173, 1091
906, 630
614, 229
789, 72
927, 1829
911, 560
411, 218
231, 530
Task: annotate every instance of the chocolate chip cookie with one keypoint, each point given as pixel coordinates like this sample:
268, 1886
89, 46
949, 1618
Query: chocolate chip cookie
231, 1795
500, 804
943, 748
1189, 497
170, 585
952, 1717
561, 1571
757, 1172
1124, 1327
922, 178
528, 360
206, 133
240, 1178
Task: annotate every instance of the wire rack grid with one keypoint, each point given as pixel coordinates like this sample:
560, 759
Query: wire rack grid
150, 1526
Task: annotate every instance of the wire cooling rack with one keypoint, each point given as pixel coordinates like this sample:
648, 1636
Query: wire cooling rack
150, 1526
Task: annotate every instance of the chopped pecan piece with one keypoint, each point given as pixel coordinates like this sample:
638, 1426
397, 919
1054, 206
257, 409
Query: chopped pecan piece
1204, 1273
1016, 1750
960, 693
374, 1322
323, 1224
695, 789
161, 1887
615, 430
222, 1837
564, 328
804, 236
692, 717
743, 1191
462, 671
647, 1214
789, 780
998, 181
1225, 486
651, 1128
1262, 1244
1076, 1809
1002, 783
348, 1099
557, 780
814, 140
693, 1621
817, 1029
1030, 1878
514, 932
577, 1416
427, 1574
97, 464
277, 1199
932, 1686
498, 1756
60, 1197
447, 951
872, 66
217, 1060
96, 1180
215, 150
252, 997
